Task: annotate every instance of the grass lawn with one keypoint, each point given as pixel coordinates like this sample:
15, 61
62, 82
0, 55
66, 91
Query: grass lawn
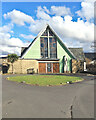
44, 80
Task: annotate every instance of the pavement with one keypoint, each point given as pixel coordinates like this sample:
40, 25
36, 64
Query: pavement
69, 101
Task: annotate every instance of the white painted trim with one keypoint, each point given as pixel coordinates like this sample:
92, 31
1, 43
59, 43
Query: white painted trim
85, 66
46, 67
48, 46
52, 67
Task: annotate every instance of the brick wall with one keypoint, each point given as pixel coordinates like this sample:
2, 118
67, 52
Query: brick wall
21, 66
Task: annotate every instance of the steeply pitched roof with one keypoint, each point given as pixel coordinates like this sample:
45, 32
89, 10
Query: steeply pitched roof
23, 49
40, 33
91, 56
78, 52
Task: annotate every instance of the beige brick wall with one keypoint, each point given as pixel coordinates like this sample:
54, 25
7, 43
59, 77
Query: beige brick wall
77, 66
22, 65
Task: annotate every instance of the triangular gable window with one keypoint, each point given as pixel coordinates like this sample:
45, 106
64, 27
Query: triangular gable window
51, 33
48, 44
45, 33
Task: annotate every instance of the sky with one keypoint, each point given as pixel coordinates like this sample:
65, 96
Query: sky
22, 21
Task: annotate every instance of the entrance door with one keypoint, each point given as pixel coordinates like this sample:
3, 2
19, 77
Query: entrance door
42, 67
49, 67
55, 67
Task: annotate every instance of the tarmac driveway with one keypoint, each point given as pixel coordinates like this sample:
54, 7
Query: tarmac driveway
68, 101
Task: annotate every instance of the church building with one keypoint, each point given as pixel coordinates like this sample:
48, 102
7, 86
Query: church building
51, 54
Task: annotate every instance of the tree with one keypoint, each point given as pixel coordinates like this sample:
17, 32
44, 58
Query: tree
12, 58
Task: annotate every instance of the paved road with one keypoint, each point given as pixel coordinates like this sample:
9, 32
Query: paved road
26, 101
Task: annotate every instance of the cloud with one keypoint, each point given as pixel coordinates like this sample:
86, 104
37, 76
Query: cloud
5, 50
6, 28
74, 34
79, 32
41, 13
87, 11
6, 39
60, 10
65, 27
46, 10
27, 36
38, 25
9, 44
15, 42
73, 43
18, 17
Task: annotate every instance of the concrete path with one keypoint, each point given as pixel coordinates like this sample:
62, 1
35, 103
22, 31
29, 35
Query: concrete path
69, 101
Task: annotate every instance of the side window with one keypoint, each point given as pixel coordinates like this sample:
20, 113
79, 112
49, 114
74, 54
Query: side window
44, 47
48, 67
53, 47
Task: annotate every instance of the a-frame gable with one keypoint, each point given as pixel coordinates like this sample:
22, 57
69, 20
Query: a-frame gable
43, 31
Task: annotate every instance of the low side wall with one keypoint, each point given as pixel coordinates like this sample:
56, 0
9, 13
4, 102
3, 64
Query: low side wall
22, 65
77, 66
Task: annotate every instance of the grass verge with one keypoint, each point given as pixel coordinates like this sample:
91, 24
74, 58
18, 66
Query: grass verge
44, 80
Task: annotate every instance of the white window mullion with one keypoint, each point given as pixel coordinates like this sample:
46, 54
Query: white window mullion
46, 67
52, 67
48, 46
